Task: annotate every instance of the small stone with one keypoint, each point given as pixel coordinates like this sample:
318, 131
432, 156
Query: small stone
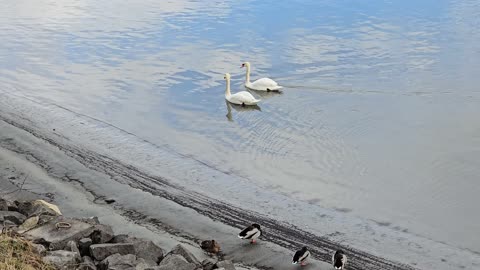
119, 262
62, 259
208, 264
185, 253
52, 208
101, 251
87, 264
8, 224
177, 262
3, 205
147, 250
142, 264
84, 246
87, 259
24, 207
227, 264
72, 246
12, 216
37, 208
101, 234
39, 249
109, 200
144, 248
91, 220
12, 206
29, 224
121, 238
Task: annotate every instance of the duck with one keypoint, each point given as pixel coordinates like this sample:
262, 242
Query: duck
251, 233
301, 256
339, 259
263, 84
210, 246
241, 98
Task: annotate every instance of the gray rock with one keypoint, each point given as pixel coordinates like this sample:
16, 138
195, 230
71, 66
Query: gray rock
12, 216
38, 208
84, 246
109, 200
121, 238
177, 262
39, 249
145, 249
87, 264
87, 259
3, 205
62, 259
142, 264
72, 246
185, 253
208, 264
7, 224
119, 262
12, 206
24, 207
57, 238
101, 234
29, 224
101, 251
91, 220
227, 264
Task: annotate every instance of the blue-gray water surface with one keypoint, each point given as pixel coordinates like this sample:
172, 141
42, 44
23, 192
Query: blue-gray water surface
378, 120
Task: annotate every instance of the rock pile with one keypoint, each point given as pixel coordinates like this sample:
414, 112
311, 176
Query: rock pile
85, 244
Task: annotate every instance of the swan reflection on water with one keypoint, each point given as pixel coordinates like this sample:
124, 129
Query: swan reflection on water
239, 108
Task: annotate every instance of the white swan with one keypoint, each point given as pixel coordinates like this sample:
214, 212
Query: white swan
263, 84
241, 98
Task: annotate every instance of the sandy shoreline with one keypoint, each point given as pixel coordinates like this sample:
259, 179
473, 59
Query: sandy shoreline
14, 169
151, 206
169, 221
69, 194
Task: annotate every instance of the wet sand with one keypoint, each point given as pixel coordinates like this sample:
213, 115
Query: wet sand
162, 210
66, 153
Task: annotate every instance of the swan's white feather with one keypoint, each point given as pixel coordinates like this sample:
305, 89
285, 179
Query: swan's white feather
264, 84
242, 97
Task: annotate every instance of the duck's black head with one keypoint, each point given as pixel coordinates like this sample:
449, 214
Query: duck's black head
256, 225
304, 249
339, 252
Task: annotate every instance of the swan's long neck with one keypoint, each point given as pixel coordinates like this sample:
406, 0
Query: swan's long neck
247, 78
227, 88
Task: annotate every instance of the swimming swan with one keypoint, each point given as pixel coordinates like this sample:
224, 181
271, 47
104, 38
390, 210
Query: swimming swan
263, 84
241, 98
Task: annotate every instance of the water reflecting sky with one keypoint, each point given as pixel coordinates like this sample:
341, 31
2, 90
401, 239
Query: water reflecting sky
379, 115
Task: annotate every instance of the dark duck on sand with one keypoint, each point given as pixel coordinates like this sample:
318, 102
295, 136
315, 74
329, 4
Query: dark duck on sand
301, 256
339, 259
251, 233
